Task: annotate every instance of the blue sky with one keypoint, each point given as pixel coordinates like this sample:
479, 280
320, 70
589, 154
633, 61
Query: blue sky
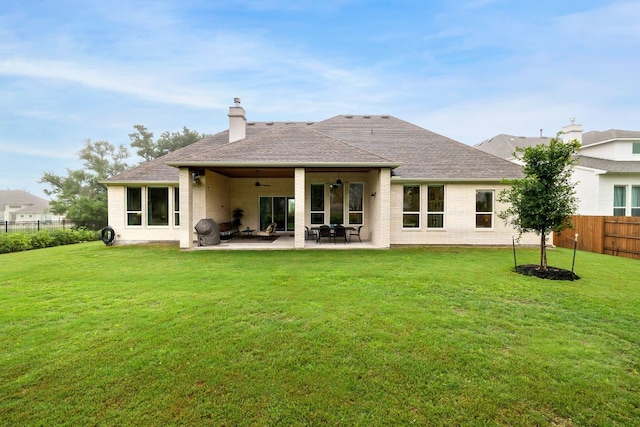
77, 70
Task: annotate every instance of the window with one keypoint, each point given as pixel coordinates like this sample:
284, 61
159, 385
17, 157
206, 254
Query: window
435, 206
484, 208
356, 190
134, 206
336, 204
176, 206
280, 210
158, 206
411, 206
317, 204
619, 200
635, 148
635, 201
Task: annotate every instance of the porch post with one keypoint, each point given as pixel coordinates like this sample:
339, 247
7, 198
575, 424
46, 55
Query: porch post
186, 209
300, 187
382, 236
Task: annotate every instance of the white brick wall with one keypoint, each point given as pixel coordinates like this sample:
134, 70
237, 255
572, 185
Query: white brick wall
460, 227
217, 196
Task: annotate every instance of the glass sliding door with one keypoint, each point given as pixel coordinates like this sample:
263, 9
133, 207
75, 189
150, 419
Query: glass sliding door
280, 210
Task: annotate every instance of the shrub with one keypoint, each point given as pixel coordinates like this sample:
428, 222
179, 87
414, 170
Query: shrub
16, 242
42, 239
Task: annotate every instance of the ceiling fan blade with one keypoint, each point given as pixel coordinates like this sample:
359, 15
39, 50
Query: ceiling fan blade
258, 184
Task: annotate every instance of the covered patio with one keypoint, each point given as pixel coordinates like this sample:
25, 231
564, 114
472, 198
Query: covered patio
297, 198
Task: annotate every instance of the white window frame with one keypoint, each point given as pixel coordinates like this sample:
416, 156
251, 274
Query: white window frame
435, 212
356, 211
140, 212
620, 209
483, 213
411, 212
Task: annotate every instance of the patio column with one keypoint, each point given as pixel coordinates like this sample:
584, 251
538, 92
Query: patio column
186, 209
382, 235
300, 190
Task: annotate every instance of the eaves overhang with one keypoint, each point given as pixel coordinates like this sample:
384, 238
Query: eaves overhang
401, 180
284, 164
139, 182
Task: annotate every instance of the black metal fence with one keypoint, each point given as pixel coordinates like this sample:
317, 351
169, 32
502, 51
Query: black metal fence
33, 226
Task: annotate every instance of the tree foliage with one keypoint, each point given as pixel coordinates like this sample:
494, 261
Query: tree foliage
79, 195
143, 141
544, 200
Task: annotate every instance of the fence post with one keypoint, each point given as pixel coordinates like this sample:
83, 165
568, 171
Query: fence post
6, 226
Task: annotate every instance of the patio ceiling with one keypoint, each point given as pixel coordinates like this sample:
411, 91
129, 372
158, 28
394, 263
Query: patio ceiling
250, 172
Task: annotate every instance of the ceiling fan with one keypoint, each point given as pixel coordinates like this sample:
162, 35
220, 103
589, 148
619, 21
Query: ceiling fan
258, 184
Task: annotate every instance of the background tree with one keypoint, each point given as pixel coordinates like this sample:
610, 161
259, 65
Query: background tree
142, 140
544, 200
80, 196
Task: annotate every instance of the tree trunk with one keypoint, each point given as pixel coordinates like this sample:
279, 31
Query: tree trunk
543, 250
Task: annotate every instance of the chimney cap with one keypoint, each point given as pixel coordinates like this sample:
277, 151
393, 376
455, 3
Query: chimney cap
236, 101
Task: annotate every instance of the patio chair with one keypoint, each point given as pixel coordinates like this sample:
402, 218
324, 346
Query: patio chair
339, 232
355, 232
269, 231
310, 234
324, 231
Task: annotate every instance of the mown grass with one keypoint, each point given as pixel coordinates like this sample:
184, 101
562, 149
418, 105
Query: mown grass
149, 335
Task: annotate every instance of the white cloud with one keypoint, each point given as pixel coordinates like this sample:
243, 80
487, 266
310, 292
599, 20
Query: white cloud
21, 148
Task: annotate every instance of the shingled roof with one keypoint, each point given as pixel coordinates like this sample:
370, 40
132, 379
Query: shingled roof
346, 140
610, 166
504, 145
595, 137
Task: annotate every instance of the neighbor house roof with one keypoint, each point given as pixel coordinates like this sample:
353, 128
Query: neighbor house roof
595, 137
345, 140
611, 166
504, 145
22, 198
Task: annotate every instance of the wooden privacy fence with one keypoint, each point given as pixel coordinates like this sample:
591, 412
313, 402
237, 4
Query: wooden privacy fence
611, 235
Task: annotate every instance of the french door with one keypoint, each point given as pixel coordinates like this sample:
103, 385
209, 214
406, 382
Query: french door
280, 210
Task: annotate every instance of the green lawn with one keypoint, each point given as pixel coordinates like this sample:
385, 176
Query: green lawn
149, 335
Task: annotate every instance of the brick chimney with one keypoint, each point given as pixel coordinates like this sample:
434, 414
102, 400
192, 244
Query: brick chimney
572, 131
237, 122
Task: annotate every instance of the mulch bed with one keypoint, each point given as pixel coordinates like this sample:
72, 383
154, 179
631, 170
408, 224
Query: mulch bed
551, 273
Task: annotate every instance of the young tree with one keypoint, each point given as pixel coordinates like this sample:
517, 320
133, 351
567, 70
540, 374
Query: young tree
544, 200
80, 195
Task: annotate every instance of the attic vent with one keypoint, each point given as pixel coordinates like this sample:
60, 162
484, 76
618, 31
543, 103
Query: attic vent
366, 117
310, 123
349, 116
385, 117
251, 123
269, 123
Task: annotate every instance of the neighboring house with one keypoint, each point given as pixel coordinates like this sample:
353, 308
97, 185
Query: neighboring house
404, 184
607, 175
18, 206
